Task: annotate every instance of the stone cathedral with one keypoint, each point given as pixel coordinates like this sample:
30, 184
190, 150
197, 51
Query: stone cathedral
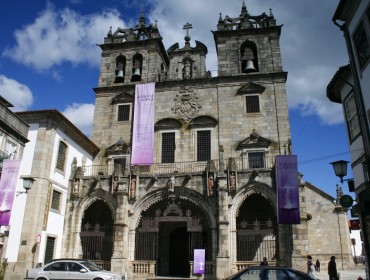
211, 185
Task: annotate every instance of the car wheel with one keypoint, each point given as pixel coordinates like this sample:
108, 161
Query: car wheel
40, 278
98, 279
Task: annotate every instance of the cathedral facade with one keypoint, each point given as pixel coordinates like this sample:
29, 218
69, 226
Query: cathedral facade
211, 184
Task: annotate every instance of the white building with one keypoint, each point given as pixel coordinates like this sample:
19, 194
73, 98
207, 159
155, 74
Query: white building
36, 226
350, 86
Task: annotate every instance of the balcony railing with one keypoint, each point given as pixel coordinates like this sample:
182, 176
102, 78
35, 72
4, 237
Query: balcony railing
187, 167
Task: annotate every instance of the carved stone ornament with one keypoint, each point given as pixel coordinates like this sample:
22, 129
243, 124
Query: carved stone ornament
186, 105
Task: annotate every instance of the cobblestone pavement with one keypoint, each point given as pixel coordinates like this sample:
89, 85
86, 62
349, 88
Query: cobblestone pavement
352, 274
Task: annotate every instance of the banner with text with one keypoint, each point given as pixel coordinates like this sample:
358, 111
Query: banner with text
143, 130
287, 189
8, 185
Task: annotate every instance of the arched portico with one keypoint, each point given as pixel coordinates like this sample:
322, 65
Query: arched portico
253, 226
90, 228
168, 226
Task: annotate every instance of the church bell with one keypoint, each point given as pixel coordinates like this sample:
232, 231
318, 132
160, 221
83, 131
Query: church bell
249, 67
136, 72
120, 76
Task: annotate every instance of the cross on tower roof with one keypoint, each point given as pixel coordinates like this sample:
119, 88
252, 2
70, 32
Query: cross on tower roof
187, 26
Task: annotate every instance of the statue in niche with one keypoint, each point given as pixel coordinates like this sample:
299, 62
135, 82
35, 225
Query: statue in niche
115, 183
171, 184
133, 188
211, 184
232, 181
186, 72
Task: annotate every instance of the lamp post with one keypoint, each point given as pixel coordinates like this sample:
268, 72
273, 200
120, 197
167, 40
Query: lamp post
340, 170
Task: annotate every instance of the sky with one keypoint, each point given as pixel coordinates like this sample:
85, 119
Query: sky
49, 59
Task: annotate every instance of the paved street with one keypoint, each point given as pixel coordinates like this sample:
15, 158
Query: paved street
344, 275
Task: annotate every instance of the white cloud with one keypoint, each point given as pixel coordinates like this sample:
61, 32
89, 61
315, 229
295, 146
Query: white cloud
16, 93
58, 36
81, 115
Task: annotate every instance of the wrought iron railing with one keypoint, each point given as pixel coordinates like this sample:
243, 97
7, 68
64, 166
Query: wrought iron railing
186, 167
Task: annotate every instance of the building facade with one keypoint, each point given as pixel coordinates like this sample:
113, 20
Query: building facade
13, 138
350, 87
34, 235
212, 183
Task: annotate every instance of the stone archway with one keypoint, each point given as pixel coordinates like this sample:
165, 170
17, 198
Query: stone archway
256, 229
169, 231
97, 234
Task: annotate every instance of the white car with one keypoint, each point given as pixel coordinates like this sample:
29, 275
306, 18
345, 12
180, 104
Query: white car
71, 269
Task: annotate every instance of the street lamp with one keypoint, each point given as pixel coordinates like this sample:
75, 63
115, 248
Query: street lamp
27, 184
340, 169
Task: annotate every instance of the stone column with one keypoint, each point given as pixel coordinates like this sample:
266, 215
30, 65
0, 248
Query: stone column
223, 256
120, 251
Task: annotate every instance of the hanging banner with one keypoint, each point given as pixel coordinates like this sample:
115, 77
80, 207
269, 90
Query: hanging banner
199, 261
143, 130
8, 185
287, 189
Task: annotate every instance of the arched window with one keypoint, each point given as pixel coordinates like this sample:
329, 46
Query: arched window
120, 69
249, 57
137, 66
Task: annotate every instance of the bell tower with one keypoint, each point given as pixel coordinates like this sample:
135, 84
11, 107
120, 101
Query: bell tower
129, 56
247, 44
133, 55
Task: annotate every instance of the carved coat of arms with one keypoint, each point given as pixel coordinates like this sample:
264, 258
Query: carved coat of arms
186, 105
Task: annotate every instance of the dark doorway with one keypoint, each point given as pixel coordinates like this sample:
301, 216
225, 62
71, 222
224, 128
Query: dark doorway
179, 252
97, 234
173, 249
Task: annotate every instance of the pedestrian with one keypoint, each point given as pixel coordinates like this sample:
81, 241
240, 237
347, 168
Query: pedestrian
310, 267
264, 261
317, 265
332, 269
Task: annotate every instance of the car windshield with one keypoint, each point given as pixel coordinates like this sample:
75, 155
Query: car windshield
91, 266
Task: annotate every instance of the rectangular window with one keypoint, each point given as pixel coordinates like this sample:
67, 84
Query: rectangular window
252, 104
168, 147
49, 250
361, 44
204, 145
350, 110
124, 112
55, 200
256, 159
11, 149
62, 156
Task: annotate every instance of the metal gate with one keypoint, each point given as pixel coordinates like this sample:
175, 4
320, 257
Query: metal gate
255, 241
97, 245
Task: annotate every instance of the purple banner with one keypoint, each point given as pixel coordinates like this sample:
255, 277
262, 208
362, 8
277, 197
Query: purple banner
8, 185
143, 130
199, 261
287, 189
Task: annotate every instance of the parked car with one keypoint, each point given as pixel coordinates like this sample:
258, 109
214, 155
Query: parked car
71, 269
269, 273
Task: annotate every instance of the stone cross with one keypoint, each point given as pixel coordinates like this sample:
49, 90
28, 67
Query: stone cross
187, 26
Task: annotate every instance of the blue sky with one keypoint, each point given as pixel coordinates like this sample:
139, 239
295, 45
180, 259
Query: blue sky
49, 60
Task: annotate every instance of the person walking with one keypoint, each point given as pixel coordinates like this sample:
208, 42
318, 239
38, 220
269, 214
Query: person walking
332, 269
317, 265
310, 267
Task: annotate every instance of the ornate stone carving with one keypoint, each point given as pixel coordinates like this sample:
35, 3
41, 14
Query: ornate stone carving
186, 105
